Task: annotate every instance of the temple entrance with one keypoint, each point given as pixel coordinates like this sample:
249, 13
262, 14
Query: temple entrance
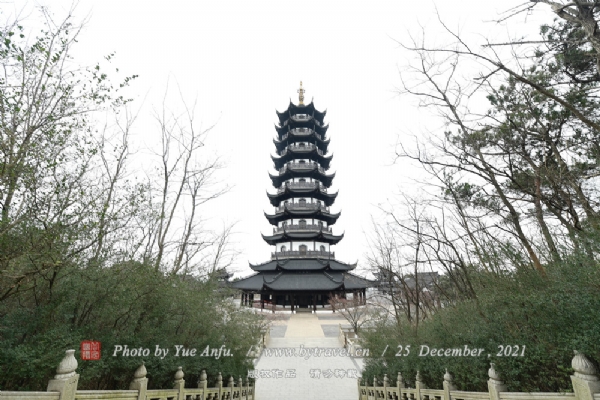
304, 300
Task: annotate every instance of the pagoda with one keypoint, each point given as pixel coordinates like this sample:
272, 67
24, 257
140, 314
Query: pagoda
302, 272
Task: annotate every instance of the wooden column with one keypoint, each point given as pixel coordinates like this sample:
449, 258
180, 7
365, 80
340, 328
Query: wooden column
292, 299
314, 297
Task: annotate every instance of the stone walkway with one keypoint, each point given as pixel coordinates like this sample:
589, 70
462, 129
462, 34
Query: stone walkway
309, 376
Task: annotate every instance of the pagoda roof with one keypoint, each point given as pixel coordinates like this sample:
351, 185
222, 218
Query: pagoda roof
303, 264
294, 109
314, 192
294, 137
290, 173
294, 152
302, 281
308, 122
317, 213
286, 236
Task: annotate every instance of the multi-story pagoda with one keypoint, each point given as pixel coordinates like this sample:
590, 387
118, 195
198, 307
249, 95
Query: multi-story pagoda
303, 271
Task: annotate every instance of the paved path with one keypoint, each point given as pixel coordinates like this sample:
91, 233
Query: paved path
310, 331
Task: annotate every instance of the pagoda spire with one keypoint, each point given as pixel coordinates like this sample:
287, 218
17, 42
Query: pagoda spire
301, 95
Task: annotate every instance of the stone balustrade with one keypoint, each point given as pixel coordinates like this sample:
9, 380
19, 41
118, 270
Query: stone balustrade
351, 342
306, 147
305, 227
64, 387
302, 133
302, 185
301, 166
303, 206
302, 254
585, 381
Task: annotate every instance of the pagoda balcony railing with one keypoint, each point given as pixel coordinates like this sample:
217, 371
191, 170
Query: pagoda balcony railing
302, 133
301, 116
302, 254
302, 185
304, 117
305, 227
303, 206
308, 147
302, 166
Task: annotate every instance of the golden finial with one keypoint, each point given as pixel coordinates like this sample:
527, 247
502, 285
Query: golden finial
301, 92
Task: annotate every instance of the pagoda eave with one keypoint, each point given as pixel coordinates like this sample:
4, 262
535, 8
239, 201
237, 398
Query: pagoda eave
305, 264
308, 123
298, 109
315, 235
331, 219
278, 180
327, 198
311, 154
295, 138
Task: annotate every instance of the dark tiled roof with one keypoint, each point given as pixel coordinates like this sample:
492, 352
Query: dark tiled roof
312, 264
304, 281
315, 235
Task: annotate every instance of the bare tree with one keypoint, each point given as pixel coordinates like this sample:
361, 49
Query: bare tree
178, 239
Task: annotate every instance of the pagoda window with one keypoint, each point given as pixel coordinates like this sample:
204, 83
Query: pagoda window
302, 162
302, 249
302, 180
302, 202
302, 144
302, 224
320, 224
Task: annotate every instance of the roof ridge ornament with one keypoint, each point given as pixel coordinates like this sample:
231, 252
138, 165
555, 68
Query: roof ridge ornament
301, 95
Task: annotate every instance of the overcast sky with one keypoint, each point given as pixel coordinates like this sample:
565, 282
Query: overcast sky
242, 60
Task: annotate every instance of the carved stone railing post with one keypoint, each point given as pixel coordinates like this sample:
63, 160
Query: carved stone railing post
448, 386
419, 385
400, 384
495, 384
241, 387
202, 383
179, 384
140, 382
386, 383
230, 386
65, 380
585, 379
247, 397
220, 384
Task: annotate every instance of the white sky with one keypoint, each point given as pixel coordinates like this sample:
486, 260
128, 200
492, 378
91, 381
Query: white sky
244, 59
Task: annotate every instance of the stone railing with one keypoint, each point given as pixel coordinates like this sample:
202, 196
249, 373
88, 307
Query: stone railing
302, 254
305, 206
586, 386
302, 185
306, 147
301, 166
351, 342
263, 341
308, 227
64, 387
300, 133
